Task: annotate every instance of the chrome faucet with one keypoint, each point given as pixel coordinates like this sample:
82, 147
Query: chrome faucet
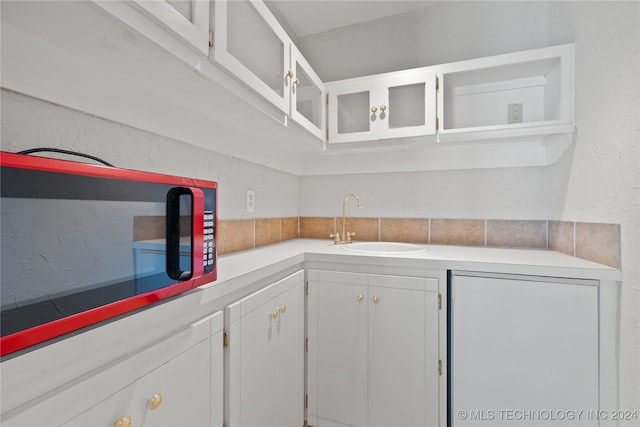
345, 237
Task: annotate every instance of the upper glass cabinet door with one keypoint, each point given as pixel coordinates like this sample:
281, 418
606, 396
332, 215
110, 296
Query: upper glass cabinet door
407, 105
352, 113
186, 19
308, 96
251, 44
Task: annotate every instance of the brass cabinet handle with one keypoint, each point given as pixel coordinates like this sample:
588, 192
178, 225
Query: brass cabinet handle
360, 298
375, 300
383, 107
374, 109
275, 314
296, 82
155, 401
123, 422
283, 309
290, 74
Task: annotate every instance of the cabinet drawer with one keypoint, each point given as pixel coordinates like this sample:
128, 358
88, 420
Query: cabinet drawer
181, 386
123, 382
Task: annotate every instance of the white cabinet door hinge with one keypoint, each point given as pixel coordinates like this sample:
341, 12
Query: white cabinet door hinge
306, 287
306, 345
306, 401
437, 83
440, 367
225, 339
439, 301
210, 38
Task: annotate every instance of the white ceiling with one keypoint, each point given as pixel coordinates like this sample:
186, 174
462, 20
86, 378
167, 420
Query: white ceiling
306, 17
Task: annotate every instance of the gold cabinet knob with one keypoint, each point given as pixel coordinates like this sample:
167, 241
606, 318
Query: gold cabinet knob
283, 309
290, 74
374, 109
123, 422
296, 82
360, 298
155, 401
275, 314
383, 107
375, 300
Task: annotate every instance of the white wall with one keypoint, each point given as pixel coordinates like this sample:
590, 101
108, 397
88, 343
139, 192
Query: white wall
484, 193
598, 180
447, 32
30, 123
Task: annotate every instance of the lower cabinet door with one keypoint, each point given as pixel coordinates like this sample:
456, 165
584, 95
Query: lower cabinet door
341, 352
174, 394
289, 371
524, 350
265, 357
403, 357
373, 350
255, 341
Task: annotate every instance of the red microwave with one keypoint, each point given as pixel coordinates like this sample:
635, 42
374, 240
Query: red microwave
82, 243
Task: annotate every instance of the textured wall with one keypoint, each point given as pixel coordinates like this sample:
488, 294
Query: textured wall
447, 32
600, 180
29, 123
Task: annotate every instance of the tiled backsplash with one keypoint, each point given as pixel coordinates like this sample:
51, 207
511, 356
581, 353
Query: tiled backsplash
595, 242
240, 234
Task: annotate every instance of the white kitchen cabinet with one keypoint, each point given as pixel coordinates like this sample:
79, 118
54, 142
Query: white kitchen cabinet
187, 20
308, 96
264, 382
251, 44
373, 350
526, 344
520, 94
393, 105
176, 381
181, 386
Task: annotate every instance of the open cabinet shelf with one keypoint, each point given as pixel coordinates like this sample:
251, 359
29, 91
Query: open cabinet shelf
520, 94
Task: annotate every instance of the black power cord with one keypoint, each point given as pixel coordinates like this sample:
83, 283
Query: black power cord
59, 150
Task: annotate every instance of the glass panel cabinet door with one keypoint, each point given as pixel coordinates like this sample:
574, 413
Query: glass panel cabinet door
251, 44
308, 96
407, 105
393, 105
352, 113
186, 19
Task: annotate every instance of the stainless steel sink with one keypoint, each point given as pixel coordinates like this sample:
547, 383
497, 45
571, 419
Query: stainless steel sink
384, 248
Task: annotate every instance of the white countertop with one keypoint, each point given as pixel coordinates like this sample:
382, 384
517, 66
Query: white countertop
269, 259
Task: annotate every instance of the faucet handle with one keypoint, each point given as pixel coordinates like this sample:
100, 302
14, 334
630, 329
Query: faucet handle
335, 237
349, 235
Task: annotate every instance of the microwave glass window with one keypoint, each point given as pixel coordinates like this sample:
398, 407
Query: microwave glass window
72, 243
